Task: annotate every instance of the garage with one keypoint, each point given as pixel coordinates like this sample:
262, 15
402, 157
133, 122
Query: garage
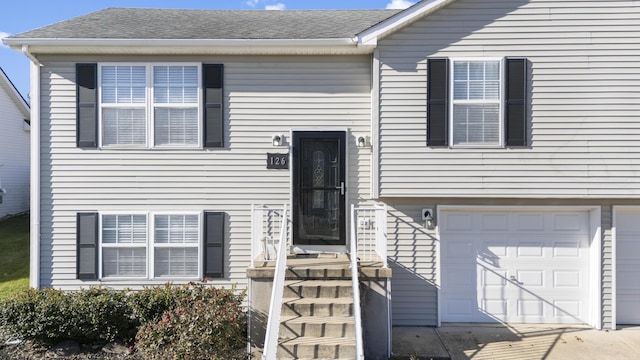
514, 265
627, 248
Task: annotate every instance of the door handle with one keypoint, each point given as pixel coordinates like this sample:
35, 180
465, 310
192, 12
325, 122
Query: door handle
515, 280
341, 187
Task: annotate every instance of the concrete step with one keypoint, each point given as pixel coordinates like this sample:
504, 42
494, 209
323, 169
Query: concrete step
317, 348
311, 273
342, 306
317, 289
292, 327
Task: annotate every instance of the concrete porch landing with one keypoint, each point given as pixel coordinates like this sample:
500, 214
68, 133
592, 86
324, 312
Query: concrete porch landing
327, 266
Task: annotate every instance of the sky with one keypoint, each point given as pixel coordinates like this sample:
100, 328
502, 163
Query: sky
18, 16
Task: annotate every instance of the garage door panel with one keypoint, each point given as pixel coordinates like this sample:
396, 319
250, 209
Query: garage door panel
631, 284
494, 222
462, 250
497, 307
491, 278
569, 223
531, 278
495, 248
529, 222
528, 266
567, 279
628, 266
528, 249
458, 222
530, 308
566, 249
568, 310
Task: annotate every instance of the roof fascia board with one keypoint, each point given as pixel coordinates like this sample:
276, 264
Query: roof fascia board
396, 22
14, 94
15, 42
338, 46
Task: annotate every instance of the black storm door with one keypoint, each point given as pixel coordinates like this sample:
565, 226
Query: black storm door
319, 188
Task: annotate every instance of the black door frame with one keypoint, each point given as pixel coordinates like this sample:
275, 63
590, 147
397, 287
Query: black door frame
297, 137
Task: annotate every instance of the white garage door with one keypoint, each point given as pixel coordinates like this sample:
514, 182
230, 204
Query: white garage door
514, 266
628, 266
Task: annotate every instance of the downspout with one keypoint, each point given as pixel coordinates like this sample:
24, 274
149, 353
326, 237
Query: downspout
34, 254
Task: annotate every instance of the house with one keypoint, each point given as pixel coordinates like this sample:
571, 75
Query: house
14, 149
500, 136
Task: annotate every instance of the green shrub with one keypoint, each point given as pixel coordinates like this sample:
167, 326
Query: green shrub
180, 322
149, 304
96, 315
207, 323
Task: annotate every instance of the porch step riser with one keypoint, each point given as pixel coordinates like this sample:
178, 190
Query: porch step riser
319, 274
317, 309
317, 291
318, 351
294, 330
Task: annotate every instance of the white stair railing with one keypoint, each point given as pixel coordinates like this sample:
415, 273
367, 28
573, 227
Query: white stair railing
273, 323
369, 232
265, 222
355, 285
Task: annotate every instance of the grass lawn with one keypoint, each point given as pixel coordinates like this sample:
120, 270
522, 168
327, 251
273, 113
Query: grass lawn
14, 257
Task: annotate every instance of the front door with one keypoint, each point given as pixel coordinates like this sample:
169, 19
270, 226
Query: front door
318, 188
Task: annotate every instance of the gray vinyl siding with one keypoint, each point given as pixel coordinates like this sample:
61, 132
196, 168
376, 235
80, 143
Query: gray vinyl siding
263, 96
14, 156
583, 95
412, 252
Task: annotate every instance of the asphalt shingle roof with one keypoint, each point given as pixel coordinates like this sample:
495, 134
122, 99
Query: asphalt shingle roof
121, 23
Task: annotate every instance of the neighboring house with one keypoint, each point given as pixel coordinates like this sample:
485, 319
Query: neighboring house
502, 135
14, 149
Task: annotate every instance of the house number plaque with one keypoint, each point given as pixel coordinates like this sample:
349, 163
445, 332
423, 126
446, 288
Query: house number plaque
277, 161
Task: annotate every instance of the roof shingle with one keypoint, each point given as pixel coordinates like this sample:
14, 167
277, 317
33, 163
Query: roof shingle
127, 23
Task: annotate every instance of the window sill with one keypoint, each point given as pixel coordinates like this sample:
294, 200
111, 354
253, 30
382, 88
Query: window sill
494, 147
145, 149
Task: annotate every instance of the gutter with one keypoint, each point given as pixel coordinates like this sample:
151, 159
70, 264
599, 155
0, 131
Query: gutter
61, 46
14, 42
27, 53
34, 255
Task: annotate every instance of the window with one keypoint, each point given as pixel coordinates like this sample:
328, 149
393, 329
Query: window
176, 245
128, 110
124, 246
175, 104
124, 100
150, 246
476, 103
149, 105
127, 246
479, 103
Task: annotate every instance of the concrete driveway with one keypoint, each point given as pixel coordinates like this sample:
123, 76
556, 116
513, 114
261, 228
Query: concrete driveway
525, 342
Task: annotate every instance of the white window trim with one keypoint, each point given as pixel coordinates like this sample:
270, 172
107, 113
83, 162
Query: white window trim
150, 246
500, 102
149, 106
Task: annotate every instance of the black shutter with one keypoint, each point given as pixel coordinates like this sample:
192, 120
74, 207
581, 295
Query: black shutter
214, 244
213, 98
437, 102
87, 246
516, 102
86, 105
